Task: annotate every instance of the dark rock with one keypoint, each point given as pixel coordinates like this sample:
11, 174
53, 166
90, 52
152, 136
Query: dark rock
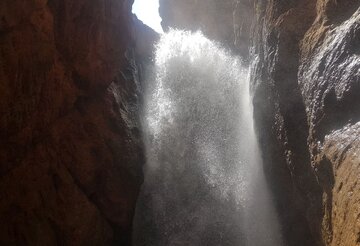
70, 150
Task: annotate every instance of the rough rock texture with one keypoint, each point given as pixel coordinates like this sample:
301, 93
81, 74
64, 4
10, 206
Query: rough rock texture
339, 172
70, 146
329, 78
227, 21
70, 149
306, 85
305, 80
281, 119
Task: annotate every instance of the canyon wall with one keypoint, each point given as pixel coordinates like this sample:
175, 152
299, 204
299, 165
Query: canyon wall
70, 147
70, 91
306, 84
305, 81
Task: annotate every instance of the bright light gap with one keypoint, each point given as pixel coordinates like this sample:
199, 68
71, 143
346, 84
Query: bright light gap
148, 12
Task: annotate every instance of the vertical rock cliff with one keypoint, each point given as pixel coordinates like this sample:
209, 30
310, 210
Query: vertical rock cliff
71, 153
281, 119
329, 78
305, 80
70, 145
306, 84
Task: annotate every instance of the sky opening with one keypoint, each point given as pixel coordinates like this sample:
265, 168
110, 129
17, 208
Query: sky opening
148, 12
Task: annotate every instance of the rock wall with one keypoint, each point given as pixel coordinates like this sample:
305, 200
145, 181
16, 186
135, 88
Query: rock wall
281, 119
305, 79
70, 146
329, 78
306, 84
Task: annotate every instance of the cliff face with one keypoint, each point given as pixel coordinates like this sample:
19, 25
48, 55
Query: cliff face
281, 119
70, 146
305, 80
329, 78
306, 84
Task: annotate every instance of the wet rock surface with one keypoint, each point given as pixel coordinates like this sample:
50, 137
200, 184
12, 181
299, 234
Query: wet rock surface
305, 81
338, 169
70, 144
329, 78
307, 74
281, 119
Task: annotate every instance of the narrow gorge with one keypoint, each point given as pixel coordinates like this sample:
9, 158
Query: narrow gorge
240, 125
203, 183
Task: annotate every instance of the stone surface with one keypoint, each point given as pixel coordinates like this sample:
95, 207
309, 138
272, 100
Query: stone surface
338, 165
305, 79
281, 119
70, 146
329, 78
306, 85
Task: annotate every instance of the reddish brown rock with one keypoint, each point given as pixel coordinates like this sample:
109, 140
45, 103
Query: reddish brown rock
70, 146
306, 84
329, 79
338, 165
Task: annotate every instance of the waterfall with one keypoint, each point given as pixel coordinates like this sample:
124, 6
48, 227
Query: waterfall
204, 184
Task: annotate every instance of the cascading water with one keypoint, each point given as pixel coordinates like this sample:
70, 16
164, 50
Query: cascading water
204, 183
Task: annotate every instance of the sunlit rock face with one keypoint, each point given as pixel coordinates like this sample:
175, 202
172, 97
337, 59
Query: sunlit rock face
329, 78
307, 72
70, 150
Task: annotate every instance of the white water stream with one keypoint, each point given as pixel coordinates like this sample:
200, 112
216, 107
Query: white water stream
204, 183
